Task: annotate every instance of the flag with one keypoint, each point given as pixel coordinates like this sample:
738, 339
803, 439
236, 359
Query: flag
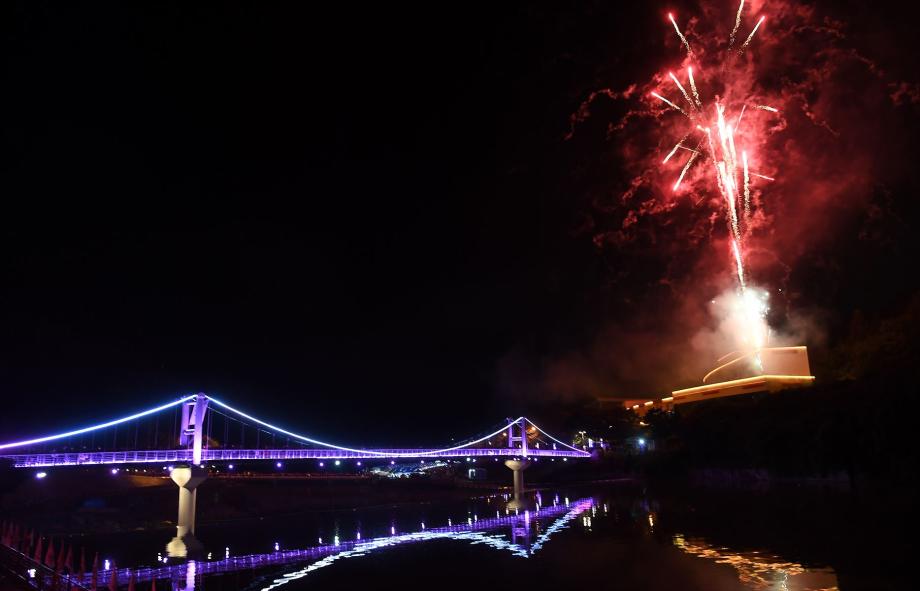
49, 555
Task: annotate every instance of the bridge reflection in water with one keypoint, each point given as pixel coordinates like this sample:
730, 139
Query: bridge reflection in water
521, 533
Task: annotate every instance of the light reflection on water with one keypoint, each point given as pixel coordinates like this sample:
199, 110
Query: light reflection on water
601, 523
761, 571
520, 545
520, 534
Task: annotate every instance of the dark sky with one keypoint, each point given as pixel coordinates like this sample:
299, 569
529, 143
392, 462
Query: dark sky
346, 219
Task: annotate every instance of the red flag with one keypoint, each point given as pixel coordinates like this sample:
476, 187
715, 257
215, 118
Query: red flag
113, 582
49, 555
95, 579
131, 583
38, 550
82, 562
153, 585
68, 561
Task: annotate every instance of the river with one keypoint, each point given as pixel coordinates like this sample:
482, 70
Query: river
612, 535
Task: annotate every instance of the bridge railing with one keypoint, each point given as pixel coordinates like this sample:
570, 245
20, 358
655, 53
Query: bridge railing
382, 454
218, 455
93, 458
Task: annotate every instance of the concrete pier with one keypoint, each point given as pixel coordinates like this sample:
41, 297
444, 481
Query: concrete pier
518, 466
187, 478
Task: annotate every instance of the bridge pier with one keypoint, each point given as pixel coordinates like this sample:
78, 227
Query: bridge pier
518, 467
187, 478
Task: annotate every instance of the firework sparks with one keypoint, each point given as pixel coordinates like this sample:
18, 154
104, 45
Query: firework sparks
731, 147
675, 148
687, 166
671, 153
731, 39
754, 306
696, 94
669, 103
751, 36
738, 263
747, 186
683, 91
732, 174
727, 168
681, 35
740, 115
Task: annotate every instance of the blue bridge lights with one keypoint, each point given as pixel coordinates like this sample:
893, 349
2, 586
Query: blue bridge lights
523, 439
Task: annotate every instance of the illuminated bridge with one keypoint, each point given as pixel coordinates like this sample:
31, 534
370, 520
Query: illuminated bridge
199, 428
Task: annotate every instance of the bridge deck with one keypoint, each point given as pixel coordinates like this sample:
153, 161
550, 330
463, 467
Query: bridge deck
220, 455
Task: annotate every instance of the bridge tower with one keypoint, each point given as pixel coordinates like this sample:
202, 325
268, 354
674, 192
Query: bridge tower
192, 424
188, 478
520, 426
518, 466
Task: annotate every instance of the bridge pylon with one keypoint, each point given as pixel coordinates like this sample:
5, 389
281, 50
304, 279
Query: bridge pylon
519, 426
193, 412
517, 434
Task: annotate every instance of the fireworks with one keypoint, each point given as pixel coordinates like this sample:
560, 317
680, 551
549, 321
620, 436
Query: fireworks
669, 103
731, 39
679, 34
751, 36
717, 141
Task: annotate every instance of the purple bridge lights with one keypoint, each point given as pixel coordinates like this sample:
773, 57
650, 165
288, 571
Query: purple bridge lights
520, 439
195, 438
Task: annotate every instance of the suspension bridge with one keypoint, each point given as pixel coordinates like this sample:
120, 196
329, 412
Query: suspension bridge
205, 429
198, 428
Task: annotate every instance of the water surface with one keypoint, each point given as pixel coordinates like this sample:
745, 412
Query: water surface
601, 536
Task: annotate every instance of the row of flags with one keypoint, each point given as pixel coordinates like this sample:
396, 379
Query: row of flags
60, 561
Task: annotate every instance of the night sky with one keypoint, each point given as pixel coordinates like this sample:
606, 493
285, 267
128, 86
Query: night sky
357, 220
